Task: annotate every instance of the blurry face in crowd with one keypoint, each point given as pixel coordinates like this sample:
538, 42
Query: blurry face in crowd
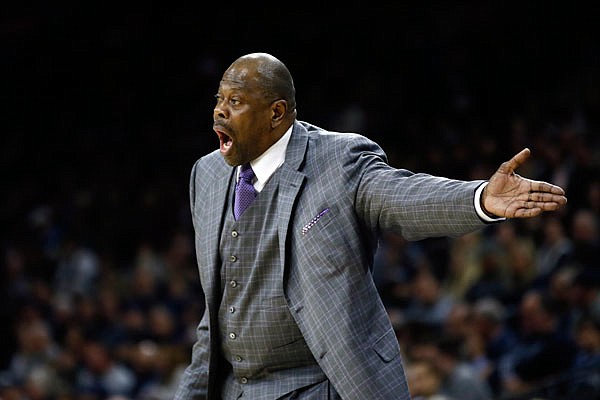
588, 338
242, 115
534, 319
423, 380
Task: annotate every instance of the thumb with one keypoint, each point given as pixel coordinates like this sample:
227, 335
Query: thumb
518, 159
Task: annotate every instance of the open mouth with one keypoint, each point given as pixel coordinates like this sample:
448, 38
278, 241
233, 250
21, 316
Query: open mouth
225, 141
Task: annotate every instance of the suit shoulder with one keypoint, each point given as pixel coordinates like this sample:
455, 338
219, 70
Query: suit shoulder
345, 148
211, 164
335, 138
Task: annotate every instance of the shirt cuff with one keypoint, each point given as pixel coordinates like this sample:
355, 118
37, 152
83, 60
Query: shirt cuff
477, 202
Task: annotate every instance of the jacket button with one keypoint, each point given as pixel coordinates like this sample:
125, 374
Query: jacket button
232, 336
233, 283
234, 233
244, 380
238, 358
232, 309
232, 258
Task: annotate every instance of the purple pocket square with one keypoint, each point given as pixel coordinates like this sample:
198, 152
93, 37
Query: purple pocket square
313, 221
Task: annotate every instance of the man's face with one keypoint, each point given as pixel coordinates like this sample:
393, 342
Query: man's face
242, 117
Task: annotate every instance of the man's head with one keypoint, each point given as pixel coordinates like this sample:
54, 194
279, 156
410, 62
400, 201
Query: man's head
255, 106
539, 313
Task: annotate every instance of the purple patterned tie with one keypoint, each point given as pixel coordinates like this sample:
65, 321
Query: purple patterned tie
244, 191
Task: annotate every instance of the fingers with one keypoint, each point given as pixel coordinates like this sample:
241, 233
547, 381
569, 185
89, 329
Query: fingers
546, 192
527, 212
532, 207
537, 186
511, 165
546, 198
543, 206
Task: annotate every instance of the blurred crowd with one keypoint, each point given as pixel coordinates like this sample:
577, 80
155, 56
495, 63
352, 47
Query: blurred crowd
87, 329
106, 111
512, 311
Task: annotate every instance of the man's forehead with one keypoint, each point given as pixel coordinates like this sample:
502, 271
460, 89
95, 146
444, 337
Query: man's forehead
241, 73
239, 79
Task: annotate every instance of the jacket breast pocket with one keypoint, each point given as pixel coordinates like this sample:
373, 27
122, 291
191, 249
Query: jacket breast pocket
318, 221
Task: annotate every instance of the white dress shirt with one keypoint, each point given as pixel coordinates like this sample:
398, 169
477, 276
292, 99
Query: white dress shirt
267, 163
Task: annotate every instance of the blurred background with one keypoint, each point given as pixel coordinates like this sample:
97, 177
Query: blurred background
106, 107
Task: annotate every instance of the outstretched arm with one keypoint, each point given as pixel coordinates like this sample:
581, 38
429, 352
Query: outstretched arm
510, 195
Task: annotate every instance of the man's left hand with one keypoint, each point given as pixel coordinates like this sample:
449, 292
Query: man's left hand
509, 195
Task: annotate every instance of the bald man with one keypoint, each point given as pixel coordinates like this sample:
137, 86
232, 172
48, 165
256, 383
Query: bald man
287, 218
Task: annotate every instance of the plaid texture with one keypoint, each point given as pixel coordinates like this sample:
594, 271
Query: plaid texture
258, 334
278, 383
326, 279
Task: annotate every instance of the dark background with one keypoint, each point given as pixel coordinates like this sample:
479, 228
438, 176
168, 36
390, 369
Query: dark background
105, 107
104, 104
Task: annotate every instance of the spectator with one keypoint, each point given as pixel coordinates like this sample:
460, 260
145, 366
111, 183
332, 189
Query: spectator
395, 265
429, 304
493, 278
77, 269
424, 381
459, 322
101, 375
518, 260
459, 380
460, 326
585, 383
555, 250
464, 266
543, 350
36, 350
490, 324
586, 293
586, 239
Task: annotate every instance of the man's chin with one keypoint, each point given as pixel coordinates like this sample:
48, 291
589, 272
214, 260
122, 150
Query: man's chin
231, 160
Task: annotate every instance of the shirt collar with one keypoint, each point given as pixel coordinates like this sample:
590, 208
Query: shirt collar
267, 163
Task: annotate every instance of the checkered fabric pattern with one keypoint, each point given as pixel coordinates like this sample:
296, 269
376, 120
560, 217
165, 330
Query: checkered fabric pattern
258, 335
328, 288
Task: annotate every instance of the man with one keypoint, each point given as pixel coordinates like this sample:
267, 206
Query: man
543, 351
291, 308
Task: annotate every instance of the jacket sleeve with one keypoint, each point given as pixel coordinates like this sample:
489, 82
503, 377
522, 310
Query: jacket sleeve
414, 205
194, 381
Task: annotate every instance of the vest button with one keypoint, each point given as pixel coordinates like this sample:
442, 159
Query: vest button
234, 233
244, 380
232, 258
232, 336
238, 358
232, 309
233, 283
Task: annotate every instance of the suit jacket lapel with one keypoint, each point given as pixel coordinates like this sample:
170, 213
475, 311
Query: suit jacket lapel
290, 183
214, 222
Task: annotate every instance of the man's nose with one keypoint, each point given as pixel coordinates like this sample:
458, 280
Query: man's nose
219, 112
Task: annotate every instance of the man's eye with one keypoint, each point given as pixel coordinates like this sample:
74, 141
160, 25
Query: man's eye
218, 97
235, 102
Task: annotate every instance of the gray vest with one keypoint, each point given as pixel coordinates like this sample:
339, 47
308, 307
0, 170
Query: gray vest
259, 337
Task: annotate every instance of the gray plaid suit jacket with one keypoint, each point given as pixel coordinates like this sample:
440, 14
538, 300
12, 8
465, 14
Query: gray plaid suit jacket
336, 194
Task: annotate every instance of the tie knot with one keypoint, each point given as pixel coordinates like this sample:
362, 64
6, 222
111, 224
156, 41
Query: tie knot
246, 173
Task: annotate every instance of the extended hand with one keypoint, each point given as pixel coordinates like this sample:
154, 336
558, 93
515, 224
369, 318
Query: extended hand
512, 196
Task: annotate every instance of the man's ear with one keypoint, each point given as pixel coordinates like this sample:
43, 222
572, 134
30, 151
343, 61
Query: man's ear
278, 111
